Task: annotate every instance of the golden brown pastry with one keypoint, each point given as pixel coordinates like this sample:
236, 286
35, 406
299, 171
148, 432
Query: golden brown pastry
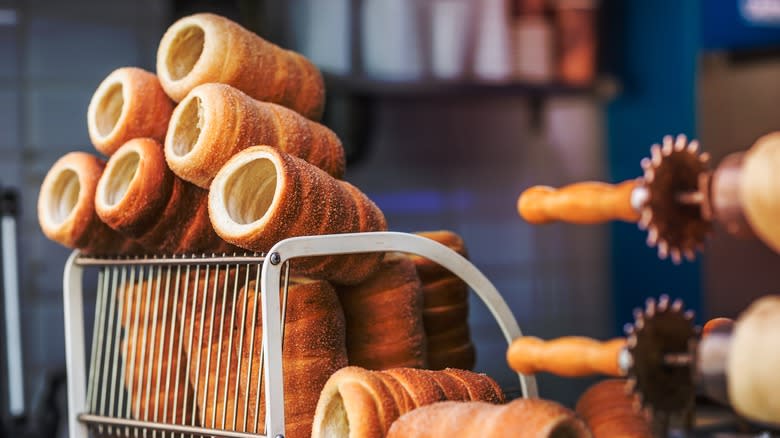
313, 350
522, 418
754, 356
215, 121
384, 317
140, 197
445, 308
204, 48
429, 270
759, 186
129, 103
358, 403
66, 207
609, 413
151, 343
263, 195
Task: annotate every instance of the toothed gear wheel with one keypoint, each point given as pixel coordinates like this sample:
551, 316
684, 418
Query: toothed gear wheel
676, 228
660, 331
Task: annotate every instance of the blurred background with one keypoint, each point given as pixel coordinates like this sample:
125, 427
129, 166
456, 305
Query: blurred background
448, 110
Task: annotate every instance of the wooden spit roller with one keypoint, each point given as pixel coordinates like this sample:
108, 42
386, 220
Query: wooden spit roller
206, 48
655, 357
263, 195
66, 207
678, 197
571, 356
128, 104
140, 197
215, 121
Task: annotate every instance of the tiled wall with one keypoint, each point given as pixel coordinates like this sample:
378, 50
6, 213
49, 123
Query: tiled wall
739, 103
460, 164
51, 61
457, 163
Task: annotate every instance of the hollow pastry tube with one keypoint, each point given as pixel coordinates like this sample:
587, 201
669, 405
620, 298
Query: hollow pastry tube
522, 418
263, 195
129, 103
215, 121
357, 403
205, 48
609, 411
66, 207
140, 197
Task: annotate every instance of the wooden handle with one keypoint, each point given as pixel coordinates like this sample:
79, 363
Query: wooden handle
581, 203
571, 356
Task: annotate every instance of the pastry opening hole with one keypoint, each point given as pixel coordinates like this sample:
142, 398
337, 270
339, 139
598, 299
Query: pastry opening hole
185, 51
64, 196
109, 109
249, 191
337, 422
120, 176
187, 126
566, 429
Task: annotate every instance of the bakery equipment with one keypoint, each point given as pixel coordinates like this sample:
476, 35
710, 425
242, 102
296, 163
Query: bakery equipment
666, 363
654, 357
97, 398
678, 197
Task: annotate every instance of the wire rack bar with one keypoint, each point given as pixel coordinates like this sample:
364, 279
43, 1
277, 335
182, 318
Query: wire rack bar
133, 426
177, 346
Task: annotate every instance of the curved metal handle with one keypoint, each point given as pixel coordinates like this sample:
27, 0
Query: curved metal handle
580, 203
571, 356
359, 243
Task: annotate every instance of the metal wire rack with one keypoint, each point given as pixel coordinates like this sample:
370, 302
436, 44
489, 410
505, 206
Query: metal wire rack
191, 346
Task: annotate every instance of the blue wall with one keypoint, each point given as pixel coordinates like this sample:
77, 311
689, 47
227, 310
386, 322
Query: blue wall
734, 24
652, 48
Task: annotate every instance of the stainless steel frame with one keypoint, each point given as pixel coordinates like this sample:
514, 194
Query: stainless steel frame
86, 386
